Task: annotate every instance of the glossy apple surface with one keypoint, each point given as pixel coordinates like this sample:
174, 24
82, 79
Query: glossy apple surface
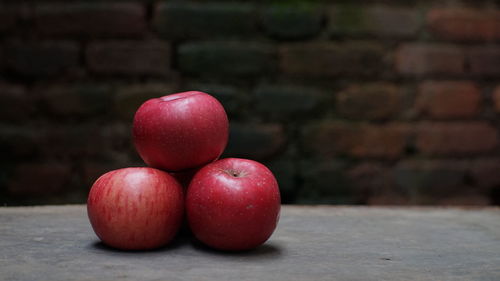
233, 204
180, 131
136, 208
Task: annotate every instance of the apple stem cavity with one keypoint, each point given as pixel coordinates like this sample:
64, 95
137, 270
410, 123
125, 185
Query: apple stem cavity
234, 173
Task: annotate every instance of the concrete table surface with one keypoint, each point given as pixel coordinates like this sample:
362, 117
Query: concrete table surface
311, 243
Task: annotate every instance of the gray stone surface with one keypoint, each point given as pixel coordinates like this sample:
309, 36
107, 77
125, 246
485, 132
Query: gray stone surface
311, 243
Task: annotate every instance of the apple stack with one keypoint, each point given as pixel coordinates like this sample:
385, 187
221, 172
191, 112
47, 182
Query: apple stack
229, 204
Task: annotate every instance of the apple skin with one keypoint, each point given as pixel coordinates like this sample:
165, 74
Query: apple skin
233, 204
136, 208
180, 131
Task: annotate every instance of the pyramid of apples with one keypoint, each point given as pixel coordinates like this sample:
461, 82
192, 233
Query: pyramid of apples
229, 204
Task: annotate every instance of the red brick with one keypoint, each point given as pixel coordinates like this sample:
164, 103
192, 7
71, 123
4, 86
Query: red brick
224, 59
448, 99
38, 179
91, 19
109, 142
372, 182
62, 101
496, 99
485, 172
369, 101
290, 22
231, 97
470, 198
15, 103
375, 20
128, 98
464, 24
8, 19
456, 138
187, 20
114, 138
11, 15
41, 59
332, 138
485, 60
19, 142
285, 170
255, 141
294, 101
92, 169
427, 181
66, 142
76, 100
393, 21
129, 58
324, 182
420, 58
329, 59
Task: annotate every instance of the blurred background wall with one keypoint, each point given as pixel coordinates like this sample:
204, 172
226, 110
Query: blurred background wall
348, 102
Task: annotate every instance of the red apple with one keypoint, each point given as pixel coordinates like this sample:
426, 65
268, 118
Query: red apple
180, 131
233, 204
136, 208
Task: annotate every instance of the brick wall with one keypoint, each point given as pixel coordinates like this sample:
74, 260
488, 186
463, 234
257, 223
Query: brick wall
364, 102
